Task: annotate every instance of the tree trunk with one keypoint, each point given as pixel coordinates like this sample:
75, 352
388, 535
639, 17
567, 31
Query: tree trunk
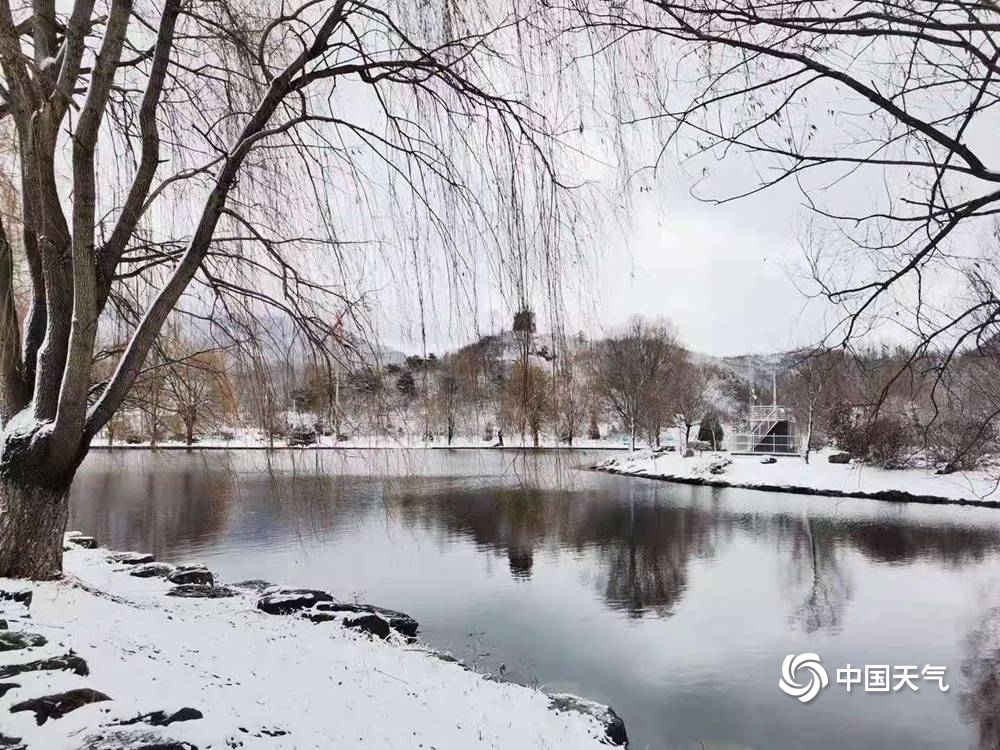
32, 524
809, 432
189, 432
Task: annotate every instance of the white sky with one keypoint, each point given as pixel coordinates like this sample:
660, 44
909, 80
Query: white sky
725, 275
730, 277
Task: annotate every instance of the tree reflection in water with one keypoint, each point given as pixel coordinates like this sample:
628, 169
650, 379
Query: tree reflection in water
816, 568
981, 673
645, 550
642, 537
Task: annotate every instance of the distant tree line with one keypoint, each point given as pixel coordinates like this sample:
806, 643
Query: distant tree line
637, 384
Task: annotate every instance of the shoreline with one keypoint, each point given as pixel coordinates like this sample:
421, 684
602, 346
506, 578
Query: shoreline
817, 479
892, 496
125, 653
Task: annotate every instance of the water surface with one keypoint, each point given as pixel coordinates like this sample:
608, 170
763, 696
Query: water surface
675, 604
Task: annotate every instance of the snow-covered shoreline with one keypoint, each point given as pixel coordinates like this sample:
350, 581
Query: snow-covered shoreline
253, 679
818, 477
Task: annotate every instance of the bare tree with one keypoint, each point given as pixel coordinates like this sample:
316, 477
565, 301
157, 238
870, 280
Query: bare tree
873, 110
199, 390
633, 369
149, 397
571, 391
693, 397
448, 401
528, 401
810, 392
163, 154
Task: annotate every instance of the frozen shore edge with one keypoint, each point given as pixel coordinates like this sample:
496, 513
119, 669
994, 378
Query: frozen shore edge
894, 496
115, 656
695, 475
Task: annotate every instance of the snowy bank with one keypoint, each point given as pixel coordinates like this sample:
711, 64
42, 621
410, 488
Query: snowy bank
120, 664
818, 477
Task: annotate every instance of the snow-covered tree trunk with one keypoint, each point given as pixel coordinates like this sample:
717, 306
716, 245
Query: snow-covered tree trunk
32, 522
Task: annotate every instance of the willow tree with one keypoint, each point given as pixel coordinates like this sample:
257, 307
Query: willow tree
878, 116
225, 159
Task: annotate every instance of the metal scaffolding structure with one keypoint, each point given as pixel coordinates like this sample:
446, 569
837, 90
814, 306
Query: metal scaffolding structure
769, 430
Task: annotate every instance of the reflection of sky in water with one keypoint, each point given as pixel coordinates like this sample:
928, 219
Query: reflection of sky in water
675, 604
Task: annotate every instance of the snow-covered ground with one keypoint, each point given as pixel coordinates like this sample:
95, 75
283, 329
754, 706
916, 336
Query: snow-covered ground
259, 680
818, 476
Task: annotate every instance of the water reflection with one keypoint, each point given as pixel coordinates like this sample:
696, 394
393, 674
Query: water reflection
981, 670
818, 571
636, 592
644, 546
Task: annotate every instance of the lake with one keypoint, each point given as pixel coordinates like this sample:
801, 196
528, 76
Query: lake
674, 604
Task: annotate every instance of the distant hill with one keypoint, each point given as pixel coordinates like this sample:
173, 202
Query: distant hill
751, 368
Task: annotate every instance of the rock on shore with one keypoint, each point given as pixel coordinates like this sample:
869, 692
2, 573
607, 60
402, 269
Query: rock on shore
111, 662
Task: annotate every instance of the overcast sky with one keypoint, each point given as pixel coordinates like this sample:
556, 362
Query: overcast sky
730, 277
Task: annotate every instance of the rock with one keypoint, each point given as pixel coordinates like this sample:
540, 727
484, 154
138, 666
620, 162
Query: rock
769, 460
132, 740
839, 458
58, 705
182, 714
69, 662
254, 584
614, 727
202, 591
131, 558
446, 656
163, 719
265, 732
317, 617
21, 597
719, 465
6, 687
11, 743
86, 542
688, 453
3, 624
192, 574
12, 640
152, 570
286, 601
368, 623
401, 622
